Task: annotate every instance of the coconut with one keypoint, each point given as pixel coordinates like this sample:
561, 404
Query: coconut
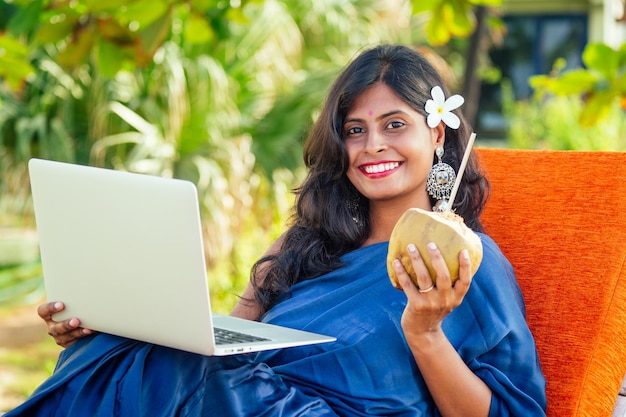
446, 229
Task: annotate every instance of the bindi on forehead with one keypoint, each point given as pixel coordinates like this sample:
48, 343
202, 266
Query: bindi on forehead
369, 112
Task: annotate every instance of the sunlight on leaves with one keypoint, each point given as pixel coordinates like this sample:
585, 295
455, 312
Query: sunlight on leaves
601, 84
604, 59
13, 65
449, 18
108, 5
197, 30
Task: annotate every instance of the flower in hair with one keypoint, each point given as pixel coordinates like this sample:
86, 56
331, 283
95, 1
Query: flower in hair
438, 109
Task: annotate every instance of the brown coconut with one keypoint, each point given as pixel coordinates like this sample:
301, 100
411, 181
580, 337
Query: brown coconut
447, 230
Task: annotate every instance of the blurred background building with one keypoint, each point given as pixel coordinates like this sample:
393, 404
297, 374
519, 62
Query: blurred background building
538, 33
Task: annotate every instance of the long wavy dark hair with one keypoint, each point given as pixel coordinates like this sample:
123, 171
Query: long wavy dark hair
331, 217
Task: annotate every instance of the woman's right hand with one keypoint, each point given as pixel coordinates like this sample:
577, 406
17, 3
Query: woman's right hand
66, 332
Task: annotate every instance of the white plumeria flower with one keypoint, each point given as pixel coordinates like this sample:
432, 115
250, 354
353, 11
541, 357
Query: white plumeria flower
439, 109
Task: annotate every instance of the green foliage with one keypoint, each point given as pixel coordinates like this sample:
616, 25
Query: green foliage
450, 18
112, 35
21, 284
602, 83
13, 65
124, 34
20, 270
552, 123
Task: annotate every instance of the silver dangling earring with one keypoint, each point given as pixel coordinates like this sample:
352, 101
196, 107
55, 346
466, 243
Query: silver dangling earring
440, 182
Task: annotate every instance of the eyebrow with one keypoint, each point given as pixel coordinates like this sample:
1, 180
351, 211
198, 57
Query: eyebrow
382, 116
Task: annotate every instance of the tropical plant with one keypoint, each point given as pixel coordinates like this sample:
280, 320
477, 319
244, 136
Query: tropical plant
601, 84
450, 18
553, 123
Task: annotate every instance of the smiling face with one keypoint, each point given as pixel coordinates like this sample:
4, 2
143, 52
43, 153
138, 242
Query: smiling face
390, 149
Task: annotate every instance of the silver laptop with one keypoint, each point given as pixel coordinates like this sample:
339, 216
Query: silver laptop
124, 252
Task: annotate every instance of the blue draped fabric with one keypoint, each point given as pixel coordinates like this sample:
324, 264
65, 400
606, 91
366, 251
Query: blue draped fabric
368, 371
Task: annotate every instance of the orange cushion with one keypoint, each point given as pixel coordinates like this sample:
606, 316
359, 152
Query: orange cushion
560, 218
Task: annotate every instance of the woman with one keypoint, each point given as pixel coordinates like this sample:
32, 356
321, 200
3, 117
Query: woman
449, 350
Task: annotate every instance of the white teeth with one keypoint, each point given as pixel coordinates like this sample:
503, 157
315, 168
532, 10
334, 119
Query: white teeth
377, 169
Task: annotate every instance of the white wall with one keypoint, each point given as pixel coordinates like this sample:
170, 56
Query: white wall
603, 22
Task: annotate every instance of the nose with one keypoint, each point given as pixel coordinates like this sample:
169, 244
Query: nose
375, 143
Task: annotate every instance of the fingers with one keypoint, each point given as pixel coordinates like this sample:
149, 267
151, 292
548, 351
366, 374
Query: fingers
424, 281
64, 332
465, 272
406, 283
438, 263
427, 308
46, 310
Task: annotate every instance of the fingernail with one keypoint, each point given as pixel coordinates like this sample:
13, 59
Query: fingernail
396, 263
412, 248
57, 305
465, 254
432, 246
73, 322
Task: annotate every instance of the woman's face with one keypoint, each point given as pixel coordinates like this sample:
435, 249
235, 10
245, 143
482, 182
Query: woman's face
390, 148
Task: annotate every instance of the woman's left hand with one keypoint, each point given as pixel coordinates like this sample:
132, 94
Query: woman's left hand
427, 308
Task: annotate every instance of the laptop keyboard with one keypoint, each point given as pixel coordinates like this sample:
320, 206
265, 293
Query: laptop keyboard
225, 337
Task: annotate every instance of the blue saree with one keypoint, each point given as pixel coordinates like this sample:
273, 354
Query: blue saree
368, 371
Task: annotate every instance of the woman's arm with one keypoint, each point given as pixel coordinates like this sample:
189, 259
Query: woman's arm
456, 390
247, 307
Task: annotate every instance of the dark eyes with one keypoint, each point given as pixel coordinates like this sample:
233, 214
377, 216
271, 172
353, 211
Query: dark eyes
395, 125
357, 129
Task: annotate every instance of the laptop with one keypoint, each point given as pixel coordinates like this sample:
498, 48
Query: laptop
124, 252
